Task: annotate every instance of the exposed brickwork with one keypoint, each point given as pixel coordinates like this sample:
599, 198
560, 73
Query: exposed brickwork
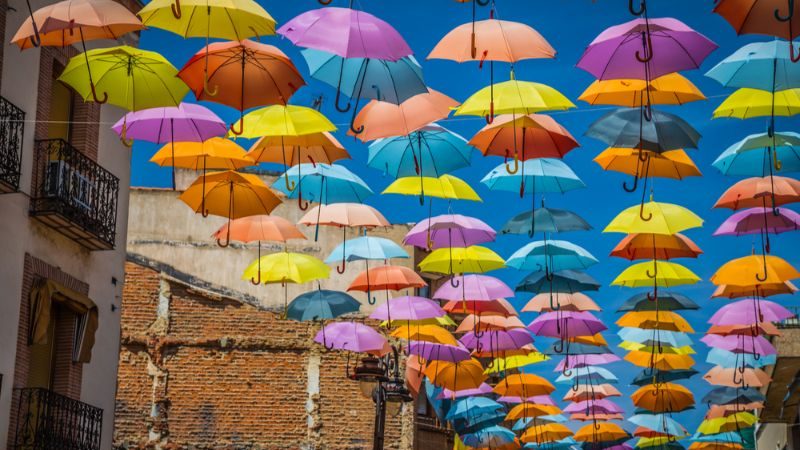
223, 374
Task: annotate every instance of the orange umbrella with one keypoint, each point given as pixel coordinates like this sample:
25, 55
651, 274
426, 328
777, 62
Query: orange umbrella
660, 361
734, 377
492, 40
643, 432
414, 376
244, 74
540, 134
663, 398
343, 215
523, 385
526, 409
488, 323
761, 290
498, 307
293, 150
780, 18
550, 432
656, 246
755, 270
597, 339
658, 320
456, 376
760, 192
583, 417
525, 350
717, 411
384, 119
715, 446
600, 432
230, 194
390, 278
564, 301
591, 392
674, 164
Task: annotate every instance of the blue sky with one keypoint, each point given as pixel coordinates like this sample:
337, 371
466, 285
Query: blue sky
569, 25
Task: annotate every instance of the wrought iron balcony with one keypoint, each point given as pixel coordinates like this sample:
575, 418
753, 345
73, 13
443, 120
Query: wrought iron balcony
46, 420
74, 195
11, 128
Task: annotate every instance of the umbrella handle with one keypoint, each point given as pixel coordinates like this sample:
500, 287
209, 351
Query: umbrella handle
256, 281
176, 9
123, 135
490, 117
637, 12
641, 213
647, 113
341, 109
509, 170
482, 2
758, 275
241, 127
780, 17
303, 205
653, 297
95, 97
792, 54
647, 43
454, 283
559, 347
655, 272
206, 90
341, 269
36, 40
290, 185
635, 184
227, 243
324, 2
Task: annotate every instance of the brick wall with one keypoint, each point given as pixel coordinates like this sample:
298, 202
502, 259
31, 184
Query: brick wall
202, 371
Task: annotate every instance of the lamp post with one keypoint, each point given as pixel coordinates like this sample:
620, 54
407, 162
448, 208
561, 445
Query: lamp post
379, 379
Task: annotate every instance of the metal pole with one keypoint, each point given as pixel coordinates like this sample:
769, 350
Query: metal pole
380, 417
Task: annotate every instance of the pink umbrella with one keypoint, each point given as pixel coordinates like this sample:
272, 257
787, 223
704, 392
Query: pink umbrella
354, 337
586, 360
483, 389
449, 230
750, 312
566, 324
537, 400
597, 406
497, 340
756, 345
438, 352
474, 288
186, 122
408, 308
760, 221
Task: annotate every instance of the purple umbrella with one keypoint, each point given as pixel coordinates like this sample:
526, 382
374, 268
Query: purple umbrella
566, 324
187, 122
352, 336
757, 220
483, 389
750, 312
645, 49
598, 406
438, 352
537, 400
497, 340
586, 360
408, 308
449, 230
740, 343
474, 287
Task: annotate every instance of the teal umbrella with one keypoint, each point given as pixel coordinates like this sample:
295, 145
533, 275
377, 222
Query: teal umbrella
548, 220
570, 281
430, 152
321, 304
760, 65
660, 423
322, 183
667, 301
760, 155
551, 256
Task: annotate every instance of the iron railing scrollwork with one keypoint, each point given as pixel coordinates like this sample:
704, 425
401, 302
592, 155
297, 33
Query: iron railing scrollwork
72, 185
12, 124
49, 421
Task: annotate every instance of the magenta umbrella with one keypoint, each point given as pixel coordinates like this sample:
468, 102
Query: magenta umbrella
537, 399
586, 360
187, 122
449, 230
408, 308
474, 288
566, 324
354, 337
596, 406
740, 343
759, 220
438, 352
483, 389
645, 49
750, 312
497, 340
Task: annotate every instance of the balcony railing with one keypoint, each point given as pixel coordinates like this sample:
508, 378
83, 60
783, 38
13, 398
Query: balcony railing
75, 195
50, 421
792, 322
11, 128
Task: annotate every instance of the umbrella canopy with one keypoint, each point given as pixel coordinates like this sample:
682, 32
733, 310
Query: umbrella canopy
465, 407
497, 340
363, 35
565, 324
474, 287
504, 364
474, 259
587, 360
214, 153
546, 434
736, 377
562, 301
766, 192
662, 361
727, 359
754, 270
354, 215
321, 304
655, 320
601, 432
283, 120
229, 20
750, 311
498, 307
539, 175
445, 186
352, 336
547, 220
655, 273
647, 377
456, 376
379, 119
483, 389
431, 151
667, 301
759, 221
759, 65
747, 103
656, 246
740, 344
523, 385
490, 437
674, 164
525, 410
438, 352
661, 218
514, 97
322, 183
390, 278
756, 155
486, 322
408, 308
590, 373
286, 267
626, 128
492, 40
771, 18
670, 89
187, 122
259, 228
449, 230
292, 150
569, 281
664, 398
526, 136
366, 247
671, 46
764, 290
552, 255
659, 423
230, 194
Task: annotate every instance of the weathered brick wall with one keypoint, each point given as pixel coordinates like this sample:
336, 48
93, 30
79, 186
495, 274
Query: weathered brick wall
222, 374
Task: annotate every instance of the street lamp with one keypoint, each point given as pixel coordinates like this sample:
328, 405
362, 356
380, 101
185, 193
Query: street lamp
379, 379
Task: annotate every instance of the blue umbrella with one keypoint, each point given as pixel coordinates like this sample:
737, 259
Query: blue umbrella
588, 372
640, 336
731, 437
724, 358
726, 395
365, 248
494, 436
551, 256
465, 408
478, 422
321, 304
667, 301
548, 220
389, 81
570, 281
323, 183
440, 406
430, 152
563, 444
527, 422
753, 156
761, 65
540, 175
576, 348
660, 423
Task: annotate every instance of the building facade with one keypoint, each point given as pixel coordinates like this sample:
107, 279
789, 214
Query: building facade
64, 176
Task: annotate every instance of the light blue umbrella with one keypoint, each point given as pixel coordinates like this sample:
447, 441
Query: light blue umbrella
321, 304
640, 336
527, 422
537, 176
564, 444
494, 436
551, 256
724, 358
365, 248
468, 407
322, 183
430, 152
760, 65
660, 423
752, 156
588, 372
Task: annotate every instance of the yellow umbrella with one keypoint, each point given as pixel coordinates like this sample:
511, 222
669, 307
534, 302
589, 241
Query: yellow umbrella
755, 270
474, 259
283, 120
215, 153
635, 346
523, 385
730, 423
675, 164
427, 333
514, 362
654, 217
670, 89
286, 268
444, 321
542, 434
128, 77
746, 103
231, 20
655, 320
655, 273
445, 186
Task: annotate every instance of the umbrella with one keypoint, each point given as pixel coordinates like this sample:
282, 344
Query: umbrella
244, 74
483, 288
650, 358
214, 153
130, 78
656, 246
601, 432
456, 376
407, 308
669, 89
758, 191
624, 128
586, 392
647, 376
257, 228
667, 301
548, 433
569, 281
315, 147
675, 164
445, 186
352, 336
364, 248
427, 333
523, 385
740, 344
746, 103
547, 220
506, 363
323, 183
438, 352
759, 65
662, 218
754, 270
465, 407
379, 119
229, 20
483, 389
449, 230
663, 398
750, 311
431, 151
721, 376
655, 273
283, 120
566, 324
284, 268
727, 395
728, 359
343, 215
499, 307
759, 155
772, 18
590, 373
321, 304
484, 322
392, 278
551, 256
449, 261
659, 423
761, 221
497, 340
734, 422
562, 301
513, 97
491, 437
586, 360
527, 410
764, 290
655, 320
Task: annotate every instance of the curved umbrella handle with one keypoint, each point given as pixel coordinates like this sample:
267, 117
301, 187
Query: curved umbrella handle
324, 2
509, 170
635, 184
794, 58
653, 297
303, 205
454, 283
780, 17
241, 127
176, 9
256, 281
290, 185
637, 12
355, 130
775, 161
647, 112
655, 271
641, 213
36, 39
758, 275
123, 136
566, 371
559, 347
647, 43
490, 117
206, 90
340, 270
341, 109
95, 97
